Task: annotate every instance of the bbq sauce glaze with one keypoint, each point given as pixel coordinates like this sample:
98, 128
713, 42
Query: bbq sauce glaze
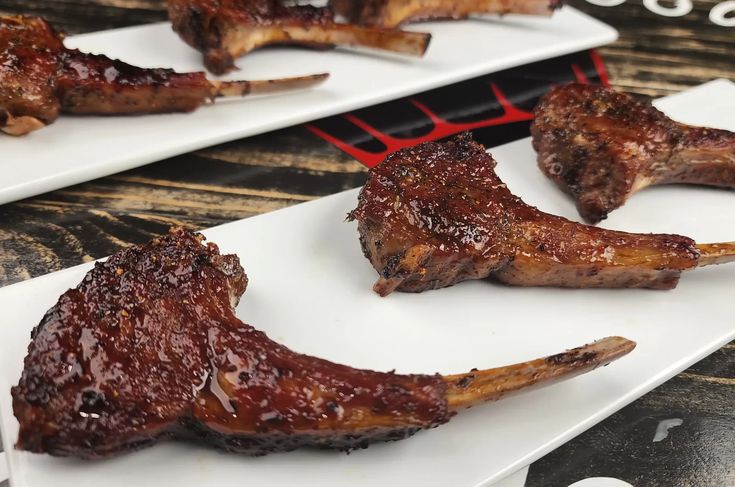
437, 214
40, 78
148, 347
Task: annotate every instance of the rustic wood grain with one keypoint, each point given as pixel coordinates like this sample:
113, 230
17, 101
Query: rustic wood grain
654, 56
202, 189
657, 55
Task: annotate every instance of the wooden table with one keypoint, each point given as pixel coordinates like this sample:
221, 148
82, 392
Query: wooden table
655, 55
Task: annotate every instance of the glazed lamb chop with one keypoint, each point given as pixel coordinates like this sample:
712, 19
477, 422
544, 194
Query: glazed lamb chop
392, 13
602, 146
40, 78
437, 214
147, 347
224, 30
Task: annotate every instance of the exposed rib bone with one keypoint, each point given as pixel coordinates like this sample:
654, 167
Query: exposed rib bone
19, 125
471, 389
437, 214
227, 29
56, 80
716, 253
243, 87
212, 378
392, 13
247, 38
603, 146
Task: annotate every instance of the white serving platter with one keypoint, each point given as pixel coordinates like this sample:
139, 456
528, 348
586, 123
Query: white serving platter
310, 288
77, 149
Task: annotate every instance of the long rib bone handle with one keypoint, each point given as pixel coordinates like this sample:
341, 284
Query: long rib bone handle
470, 389
244, 87
716, 253
411, 43
404, 42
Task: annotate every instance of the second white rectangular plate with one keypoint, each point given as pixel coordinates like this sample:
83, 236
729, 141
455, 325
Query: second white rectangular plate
310, 289
77, 149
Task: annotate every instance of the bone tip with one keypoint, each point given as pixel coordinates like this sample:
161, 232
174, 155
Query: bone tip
20, 126
614, 347
383, 287
596, 354
425, 42
319, 77
304, 81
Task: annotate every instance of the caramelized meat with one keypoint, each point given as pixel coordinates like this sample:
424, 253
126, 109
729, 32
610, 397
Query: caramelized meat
39, 78
392, 13
148, 347
29, 63
226, 29
436, 214
601, 146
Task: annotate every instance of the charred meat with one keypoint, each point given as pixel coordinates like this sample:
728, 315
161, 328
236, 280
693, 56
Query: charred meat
224, 30
40, 78
147, 347
437, 214
392, 13
602, 146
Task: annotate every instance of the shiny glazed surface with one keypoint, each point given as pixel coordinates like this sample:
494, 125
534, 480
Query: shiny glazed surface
95, 84
208, 25
437, 214
601, 146
226, 29
28, 66
148, 347
620, 446
39, 78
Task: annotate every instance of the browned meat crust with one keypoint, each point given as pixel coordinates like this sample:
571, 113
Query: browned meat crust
148, 347
601, 146
94, 84
437, 214
39, 78
28, 66
226, 29
392, 13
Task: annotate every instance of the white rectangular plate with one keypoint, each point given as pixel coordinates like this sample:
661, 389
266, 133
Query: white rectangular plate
310, 288
77, 149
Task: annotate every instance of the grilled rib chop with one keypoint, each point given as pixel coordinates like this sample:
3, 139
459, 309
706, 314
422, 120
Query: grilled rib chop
437, 214
39, 78
392, 13
602, 146
148, 347
226, 29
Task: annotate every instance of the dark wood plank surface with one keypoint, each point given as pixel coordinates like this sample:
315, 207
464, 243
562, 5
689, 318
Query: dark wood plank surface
655, 56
